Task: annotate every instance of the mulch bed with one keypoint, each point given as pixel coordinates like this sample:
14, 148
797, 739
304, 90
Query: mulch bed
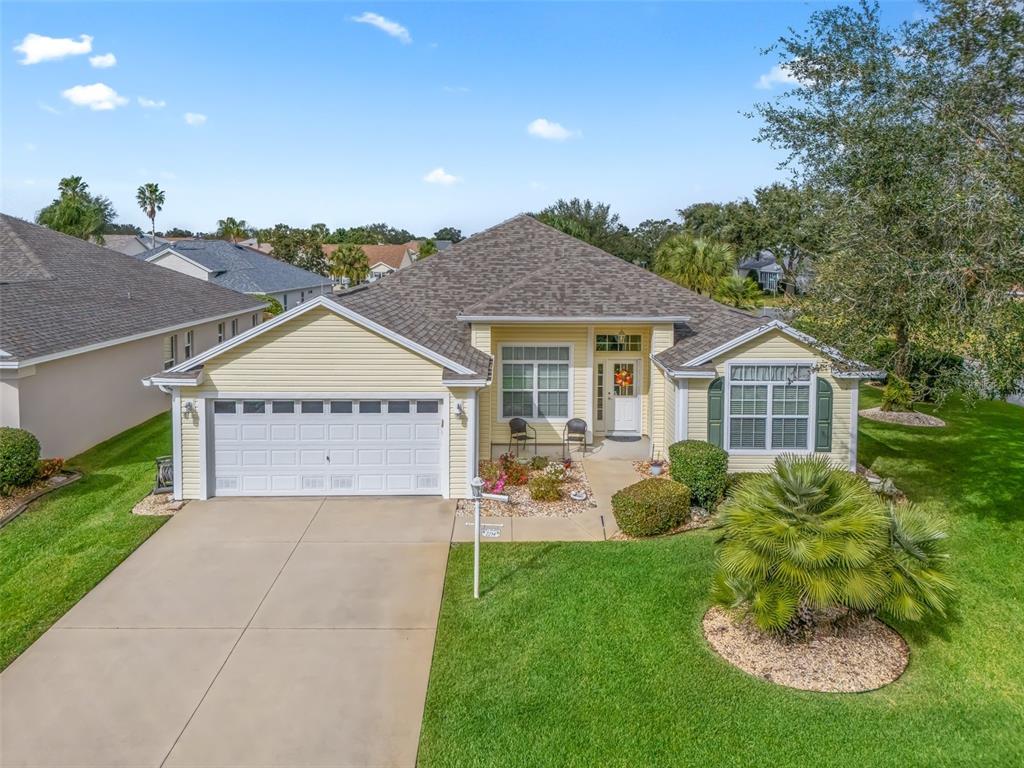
14, 505
842, 657
521, 505
643, 469
906, 418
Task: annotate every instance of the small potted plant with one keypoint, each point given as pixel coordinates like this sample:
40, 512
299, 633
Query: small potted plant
657, 466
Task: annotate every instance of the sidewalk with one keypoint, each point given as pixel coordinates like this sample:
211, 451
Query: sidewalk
597, 523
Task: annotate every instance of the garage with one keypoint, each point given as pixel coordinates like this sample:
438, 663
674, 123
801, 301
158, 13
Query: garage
293, 447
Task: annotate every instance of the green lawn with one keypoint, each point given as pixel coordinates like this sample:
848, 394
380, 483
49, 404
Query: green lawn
592, 655
66, 542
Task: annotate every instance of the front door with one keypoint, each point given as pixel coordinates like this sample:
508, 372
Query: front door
621, 390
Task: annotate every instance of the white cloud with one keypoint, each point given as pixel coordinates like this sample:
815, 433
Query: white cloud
103, 60
545, 129
98, 97
36, 48
780, 74
195, 118
440, 176
151, 103
386, 25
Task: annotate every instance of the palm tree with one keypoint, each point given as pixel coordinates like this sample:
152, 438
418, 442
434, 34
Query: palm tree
427, 248
72, 186
349, 260
740, 292
150, 199
232, 229
76, 212
695, 263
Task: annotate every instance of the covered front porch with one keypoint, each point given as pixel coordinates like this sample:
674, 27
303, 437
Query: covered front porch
599, 448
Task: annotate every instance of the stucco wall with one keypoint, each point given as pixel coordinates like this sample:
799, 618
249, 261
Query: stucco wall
73, 403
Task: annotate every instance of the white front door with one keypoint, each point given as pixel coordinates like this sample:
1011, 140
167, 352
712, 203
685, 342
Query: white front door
266, 447
622, 397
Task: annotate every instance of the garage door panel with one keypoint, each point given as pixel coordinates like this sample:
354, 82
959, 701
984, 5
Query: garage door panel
296, 448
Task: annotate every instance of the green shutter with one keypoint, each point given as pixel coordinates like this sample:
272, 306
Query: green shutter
823, 418
716, 412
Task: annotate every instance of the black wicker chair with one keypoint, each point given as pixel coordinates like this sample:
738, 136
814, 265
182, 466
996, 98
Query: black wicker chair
575, 431
520, 432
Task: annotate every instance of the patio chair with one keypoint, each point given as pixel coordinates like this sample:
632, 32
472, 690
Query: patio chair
575, 431
520, 432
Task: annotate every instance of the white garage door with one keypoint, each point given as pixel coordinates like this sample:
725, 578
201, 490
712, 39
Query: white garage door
317, 447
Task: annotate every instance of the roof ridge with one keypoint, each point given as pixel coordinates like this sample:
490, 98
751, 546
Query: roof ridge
24, 247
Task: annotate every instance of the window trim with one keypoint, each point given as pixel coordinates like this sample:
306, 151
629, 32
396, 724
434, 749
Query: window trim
812, 405
234, 327
190, 342
625, 346
172, 351
501, 390
220, 331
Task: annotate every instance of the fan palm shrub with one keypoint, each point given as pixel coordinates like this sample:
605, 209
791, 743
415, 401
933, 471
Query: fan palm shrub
809, 537
695, 263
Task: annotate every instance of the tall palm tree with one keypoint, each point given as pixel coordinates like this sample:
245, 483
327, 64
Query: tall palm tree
232, 229
695, 263
349, 260
72, 186
150, 199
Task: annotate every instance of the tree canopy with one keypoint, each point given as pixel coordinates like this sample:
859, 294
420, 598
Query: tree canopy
77, 212
449, 233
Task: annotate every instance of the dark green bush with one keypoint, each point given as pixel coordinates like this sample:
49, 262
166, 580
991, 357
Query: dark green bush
701, 467
545, 487
651, 507
19, 455
897, 395
538, 462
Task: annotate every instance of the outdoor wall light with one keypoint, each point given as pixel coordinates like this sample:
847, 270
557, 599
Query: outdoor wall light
190, 408
459, 409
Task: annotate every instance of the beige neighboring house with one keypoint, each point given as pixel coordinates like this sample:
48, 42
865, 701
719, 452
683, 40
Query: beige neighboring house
402, 386
387, 259
79, 324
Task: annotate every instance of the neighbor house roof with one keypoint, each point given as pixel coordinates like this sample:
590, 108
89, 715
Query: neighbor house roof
758, 261
60, 295
392, 255
131, 245
240, 268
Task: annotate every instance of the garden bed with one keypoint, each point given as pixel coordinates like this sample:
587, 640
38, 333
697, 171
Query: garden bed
842, 656
13, 505
158, 504
521, 505
643, 468
906, 418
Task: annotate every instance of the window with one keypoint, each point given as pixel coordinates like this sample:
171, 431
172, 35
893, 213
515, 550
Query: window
341, 406
302, 296
427, 406
170, 351
234, 327
255, 319
189, 339
398, 406
769, 406
220, 332
600, 393
225, 406
618, 342
282, 406
254, 406
312, 406
535, 382
284, 300
369, 406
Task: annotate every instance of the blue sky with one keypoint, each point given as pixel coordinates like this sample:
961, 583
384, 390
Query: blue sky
301, 113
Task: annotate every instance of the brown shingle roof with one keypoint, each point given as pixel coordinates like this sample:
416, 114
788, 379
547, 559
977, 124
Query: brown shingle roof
392, 255
59, 293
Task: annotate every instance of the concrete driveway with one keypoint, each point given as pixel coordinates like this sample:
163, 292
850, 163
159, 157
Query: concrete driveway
245, 632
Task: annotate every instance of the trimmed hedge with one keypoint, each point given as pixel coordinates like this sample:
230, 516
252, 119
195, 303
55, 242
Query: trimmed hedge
19, 458
702, 467
651, 507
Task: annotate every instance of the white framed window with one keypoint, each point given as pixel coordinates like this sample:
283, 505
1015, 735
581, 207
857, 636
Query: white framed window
234, 327
284, 300
190, 337
220, 332
170, 351
768, 406
254, 319
618, 342
535, 381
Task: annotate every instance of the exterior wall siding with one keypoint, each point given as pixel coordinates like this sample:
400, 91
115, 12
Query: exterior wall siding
669, 420
776, 346
189, 452
661, 339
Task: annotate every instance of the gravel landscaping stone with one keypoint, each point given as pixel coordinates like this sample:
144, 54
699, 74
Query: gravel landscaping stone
521, 505
157, 504
841, 657
906, 418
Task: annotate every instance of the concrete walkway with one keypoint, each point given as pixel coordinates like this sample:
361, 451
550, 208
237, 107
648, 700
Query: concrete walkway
245, 632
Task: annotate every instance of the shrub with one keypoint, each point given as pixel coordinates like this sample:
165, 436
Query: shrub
810, 537
538, 462
19, 454
545, 487
515, 473
651, 507
897, 395
47, 468
274, 306
701, 467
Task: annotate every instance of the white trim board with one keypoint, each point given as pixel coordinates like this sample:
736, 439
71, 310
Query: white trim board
570, 319
336, 308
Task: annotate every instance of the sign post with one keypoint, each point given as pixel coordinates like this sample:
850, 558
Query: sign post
477, 484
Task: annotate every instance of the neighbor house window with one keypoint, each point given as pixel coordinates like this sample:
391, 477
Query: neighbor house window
220, 332
189, 340
234, 327
769, 407
170, 351
535, 382
618, 342
284, 300
254, 319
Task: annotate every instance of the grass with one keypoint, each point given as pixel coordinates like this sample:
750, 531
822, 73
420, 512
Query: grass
592, 654
65, 543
